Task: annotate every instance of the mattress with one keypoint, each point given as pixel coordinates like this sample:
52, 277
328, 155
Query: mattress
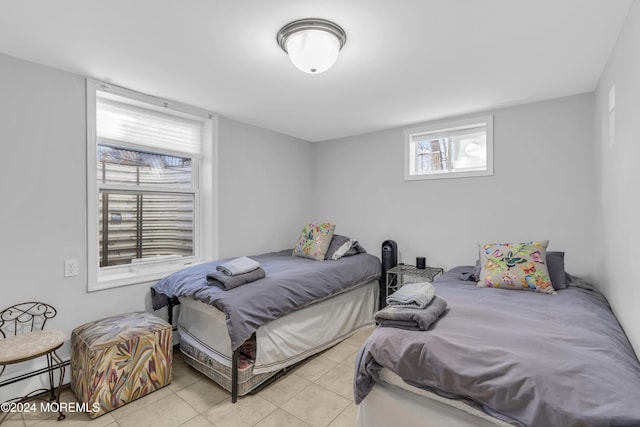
291, 283
394, 402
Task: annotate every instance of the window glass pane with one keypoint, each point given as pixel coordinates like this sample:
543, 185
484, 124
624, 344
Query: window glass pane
141, 225
471, 152
443, 152
431, 155
465, 152
131, 167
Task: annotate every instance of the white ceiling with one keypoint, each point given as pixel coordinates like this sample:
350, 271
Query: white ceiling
405, 61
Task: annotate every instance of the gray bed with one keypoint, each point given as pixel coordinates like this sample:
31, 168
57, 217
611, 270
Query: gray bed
292, 285
525, 358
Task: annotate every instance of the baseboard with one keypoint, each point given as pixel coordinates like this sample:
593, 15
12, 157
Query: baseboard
29, 375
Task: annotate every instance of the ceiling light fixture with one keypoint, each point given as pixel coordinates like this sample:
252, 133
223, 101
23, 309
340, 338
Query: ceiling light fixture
312, 44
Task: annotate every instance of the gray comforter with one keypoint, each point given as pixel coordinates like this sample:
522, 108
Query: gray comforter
291, 283
536, 359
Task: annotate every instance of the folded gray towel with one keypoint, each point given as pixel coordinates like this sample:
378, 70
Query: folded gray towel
412, 318
412, 295
238, 266
229, 282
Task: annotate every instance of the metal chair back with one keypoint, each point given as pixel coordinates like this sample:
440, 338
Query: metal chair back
25, 317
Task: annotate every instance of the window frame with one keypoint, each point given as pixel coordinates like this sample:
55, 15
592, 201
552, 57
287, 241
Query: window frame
443, 128
204, 188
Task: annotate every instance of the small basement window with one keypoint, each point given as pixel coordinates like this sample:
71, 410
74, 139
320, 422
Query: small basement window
457, 149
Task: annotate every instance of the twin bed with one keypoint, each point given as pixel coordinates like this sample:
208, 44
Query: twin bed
242, 337
502, 357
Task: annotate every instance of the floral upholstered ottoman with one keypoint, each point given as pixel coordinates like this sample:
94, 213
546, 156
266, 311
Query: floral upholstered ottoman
119, 359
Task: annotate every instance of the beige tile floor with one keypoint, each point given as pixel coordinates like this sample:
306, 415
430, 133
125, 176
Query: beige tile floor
318, 392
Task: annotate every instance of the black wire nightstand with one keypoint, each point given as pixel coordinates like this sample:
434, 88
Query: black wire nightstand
402, 274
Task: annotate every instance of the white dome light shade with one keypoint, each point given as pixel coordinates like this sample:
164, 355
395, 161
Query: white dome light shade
312, 44
313, 51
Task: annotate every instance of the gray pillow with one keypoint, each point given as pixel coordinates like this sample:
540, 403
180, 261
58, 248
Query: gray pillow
555, 265
475, 274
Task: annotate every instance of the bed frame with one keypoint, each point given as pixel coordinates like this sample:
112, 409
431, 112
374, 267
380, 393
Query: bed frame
234, 358
234, 385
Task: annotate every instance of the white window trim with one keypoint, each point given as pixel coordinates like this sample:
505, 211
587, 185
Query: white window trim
447, 126
206, 210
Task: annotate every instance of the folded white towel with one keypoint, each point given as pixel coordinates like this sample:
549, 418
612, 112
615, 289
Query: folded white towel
238, 266
412, 295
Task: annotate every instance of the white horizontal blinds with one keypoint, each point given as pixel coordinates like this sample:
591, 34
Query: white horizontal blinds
141, 127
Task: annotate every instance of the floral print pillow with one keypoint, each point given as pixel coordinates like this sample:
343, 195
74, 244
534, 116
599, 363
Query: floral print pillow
314, 240
515, 266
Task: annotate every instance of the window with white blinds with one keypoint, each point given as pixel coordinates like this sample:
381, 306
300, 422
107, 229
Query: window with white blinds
146, 161
450, 150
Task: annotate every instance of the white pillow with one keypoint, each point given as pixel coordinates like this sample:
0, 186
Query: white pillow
339, 253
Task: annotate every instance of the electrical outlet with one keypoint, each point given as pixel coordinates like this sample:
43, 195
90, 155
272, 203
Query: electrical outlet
70, 267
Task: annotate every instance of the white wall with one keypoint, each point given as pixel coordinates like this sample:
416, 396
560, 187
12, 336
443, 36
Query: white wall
542, 188
618, 199
43, 196
266, 195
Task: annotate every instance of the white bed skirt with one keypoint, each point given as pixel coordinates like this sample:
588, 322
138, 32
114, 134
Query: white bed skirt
394, 402
287, 340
